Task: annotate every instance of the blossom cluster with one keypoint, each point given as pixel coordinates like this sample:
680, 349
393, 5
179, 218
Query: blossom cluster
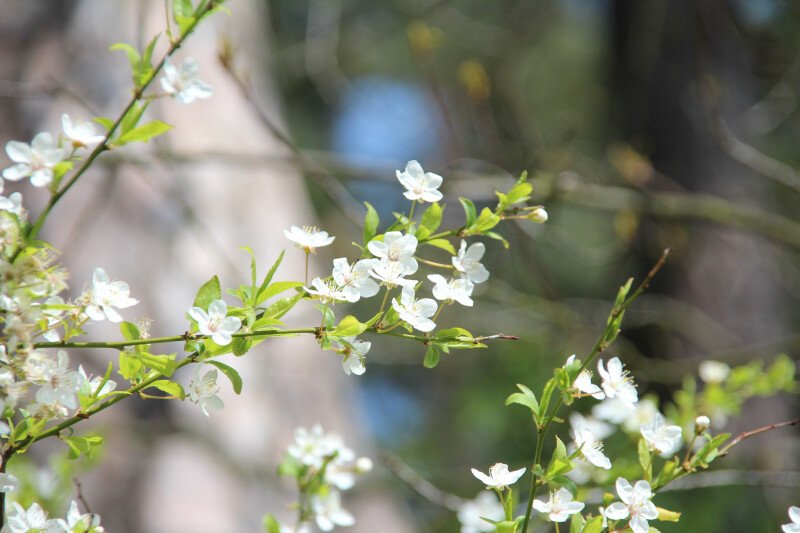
324, 466
34, 518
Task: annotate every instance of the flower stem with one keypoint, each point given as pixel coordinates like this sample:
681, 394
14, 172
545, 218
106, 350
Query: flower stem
435, 264
306, 276
411, 213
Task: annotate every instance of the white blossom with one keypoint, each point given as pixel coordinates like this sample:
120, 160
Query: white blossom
203, 391
311, 447
89, 385
182, 82
559, 506
416, 312
714, 371
354, 279
499, 477
794, 516
12, 203
396, 248
329, 513
80, 523
353, 361
8, 483
216, 322
583, 383
591, 448
59, 384
635, 504
643, 413
420, 185
326, 291
458, 290
471, 513
617, 382
468, 262
21, 520
79, 134
105, 296
391, 274
308, 238
660, 437
599, 429
299, 528
35, 160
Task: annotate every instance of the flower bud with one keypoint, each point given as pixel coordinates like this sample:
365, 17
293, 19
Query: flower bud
701, 424
363, 465
538, 215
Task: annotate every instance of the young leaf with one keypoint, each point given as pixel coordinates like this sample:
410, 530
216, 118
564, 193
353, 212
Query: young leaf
282, 306
469, 211
131, 118
164, 364
230, 372
207, 293
349, 327
645, 460
268, 278
431, 220
442, 244
129, 365
275, 289
143, 133
527, 398
134, 58
593, 525
431, 356
170, 387
371, 222
129, 331
271, 525
106, 122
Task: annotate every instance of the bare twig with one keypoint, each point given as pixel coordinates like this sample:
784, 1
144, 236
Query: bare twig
79, 494
421, 486
753, 432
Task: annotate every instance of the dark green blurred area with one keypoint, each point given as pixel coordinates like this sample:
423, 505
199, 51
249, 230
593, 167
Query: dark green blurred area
623, 111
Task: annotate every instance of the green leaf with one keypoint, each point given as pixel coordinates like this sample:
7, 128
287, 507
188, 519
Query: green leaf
371, 222
349, 327
240, 345
593, 525
496, 236
559, 463
431, 357
282, 306
134, 58
668, 516
164, 364
645, 459
207, 293
268, 278
271, 525
526, 398
182, 9
129, 331
576, 523
442, 244
144, 133
275, 289
547, 393
129, 365
567, 483
145, 71
131, 118
666, 475
170, 387
106, 122
253, 268
78, 446
469, 211
231, 373
184, 23
430, 222
486, 221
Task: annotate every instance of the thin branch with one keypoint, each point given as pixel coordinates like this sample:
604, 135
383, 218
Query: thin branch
79, 494
421, 486
753, 432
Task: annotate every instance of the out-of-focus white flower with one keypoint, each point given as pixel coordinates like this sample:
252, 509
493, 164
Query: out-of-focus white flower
420, 185
353, 361
591, 448
59, 384
660, 437
794, 516
354, 279
714, 371
203, 391
308, 238
468, 262
12, 203
396, 248
559, 506
299, 528
391, 274
8, 483
79, 523
20, 520
701, 424
329, 513
643, 413
52, 314
105, 296
415, 312
216, 322
311, 447
499, 477
612, 410
79, 134
326, 291
458, 290
635, 504
471, 513
617, 382
182, 82
583, 383
599, 429
35, 160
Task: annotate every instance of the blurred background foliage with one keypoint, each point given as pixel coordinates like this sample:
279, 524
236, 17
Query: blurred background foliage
645, 124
